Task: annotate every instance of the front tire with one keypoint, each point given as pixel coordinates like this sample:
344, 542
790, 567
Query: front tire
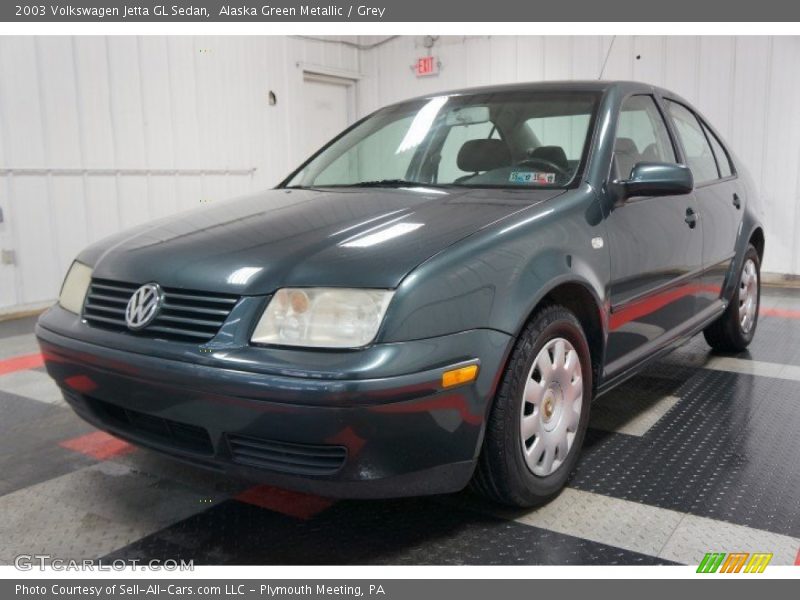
734, 329
540, 413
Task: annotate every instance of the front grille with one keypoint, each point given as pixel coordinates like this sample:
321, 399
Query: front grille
299, 459
185, 315
167, 431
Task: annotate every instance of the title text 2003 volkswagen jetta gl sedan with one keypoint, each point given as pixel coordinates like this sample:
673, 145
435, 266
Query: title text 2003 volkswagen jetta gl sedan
433, 298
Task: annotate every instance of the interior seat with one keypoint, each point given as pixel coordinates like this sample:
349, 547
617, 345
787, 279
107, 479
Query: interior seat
650, 154
626, 155
476, 156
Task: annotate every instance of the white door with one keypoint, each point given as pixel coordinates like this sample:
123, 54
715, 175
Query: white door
328, 108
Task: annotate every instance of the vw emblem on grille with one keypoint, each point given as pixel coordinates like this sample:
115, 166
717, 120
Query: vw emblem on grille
143, 306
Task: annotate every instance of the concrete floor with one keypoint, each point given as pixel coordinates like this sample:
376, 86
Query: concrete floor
698, 454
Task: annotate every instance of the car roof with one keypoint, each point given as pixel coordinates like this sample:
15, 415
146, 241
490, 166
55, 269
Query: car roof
588, 85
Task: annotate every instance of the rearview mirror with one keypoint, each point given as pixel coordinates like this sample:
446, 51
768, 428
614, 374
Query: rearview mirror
657, 179
468, 115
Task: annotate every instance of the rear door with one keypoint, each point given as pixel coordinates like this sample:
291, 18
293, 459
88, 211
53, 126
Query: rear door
717, 196
655, 244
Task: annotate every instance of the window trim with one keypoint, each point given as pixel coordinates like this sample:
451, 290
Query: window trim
710, 132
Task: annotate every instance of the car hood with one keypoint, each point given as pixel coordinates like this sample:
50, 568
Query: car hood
354, 237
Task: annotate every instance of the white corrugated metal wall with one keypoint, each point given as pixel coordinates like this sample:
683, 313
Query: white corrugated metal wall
101, 133
747, 86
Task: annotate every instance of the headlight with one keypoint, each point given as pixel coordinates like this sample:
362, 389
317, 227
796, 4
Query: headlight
322, 317
76, 284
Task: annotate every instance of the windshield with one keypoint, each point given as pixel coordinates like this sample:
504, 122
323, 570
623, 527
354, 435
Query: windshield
504, 139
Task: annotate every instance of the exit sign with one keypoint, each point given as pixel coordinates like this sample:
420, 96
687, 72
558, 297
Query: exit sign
426, 66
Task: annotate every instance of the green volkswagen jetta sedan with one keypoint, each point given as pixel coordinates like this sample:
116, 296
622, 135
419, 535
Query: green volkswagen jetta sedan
433, 299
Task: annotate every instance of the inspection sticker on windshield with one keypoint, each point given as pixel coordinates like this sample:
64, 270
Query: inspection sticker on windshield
531, 177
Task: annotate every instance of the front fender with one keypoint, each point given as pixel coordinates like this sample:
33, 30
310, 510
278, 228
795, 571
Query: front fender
496, 277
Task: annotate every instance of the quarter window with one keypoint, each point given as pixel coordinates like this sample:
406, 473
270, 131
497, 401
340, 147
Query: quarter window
641, 136
699, 156
723, 160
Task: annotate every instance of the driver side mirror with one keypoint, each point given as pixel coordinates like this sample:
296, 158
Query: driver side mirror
656, 179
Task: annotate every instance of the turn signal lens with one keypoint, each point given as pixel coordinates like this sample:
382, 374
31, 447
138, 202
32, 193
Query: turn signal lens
459, 376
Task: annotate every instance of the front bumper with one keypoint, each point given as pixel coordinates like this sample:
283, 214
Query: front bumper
397, 435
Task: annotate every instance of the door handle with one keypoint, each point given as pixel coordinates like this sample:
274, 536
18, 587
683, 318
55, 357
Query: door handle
691, 218
737, 201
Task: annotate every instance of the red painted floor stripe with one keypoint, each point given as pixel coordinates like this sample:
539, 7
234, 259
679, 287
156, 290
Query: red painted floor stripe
21, 363
293, 504
797, 560
784, 313
99, 445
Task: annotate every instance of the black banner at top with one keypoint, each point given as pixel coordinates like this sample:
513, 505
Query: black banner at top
532, 11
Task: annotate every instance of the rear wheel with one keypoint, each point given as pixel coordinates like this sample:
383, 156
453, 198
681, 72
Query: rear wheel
540, 414
734, 329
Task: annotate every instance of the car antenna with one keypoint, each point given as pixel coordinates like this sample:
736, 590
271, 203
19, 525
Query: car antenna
605, 61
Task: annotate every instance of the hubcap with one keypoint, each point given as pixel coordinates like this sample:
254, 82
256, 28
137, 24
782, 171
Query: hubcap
748, 296
551, 407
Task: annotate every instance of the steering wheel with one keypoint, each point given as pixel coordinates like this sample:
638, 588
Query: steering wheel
547, 164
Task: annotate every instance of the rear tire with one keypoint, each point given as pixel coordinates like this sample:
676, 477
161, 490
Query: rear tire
540, 413
734, 329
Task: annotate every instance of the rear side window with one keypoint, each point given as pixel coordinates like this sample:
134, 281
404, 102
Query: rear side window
723, 160
699, 156
641, 135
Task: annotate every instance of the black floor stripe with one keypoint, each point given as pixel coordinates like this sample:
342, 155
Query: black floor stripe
411, 531
728, 450
30, 432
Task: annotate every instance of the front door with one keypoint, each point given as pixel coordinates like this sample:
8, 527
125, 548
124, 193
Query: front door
655, 245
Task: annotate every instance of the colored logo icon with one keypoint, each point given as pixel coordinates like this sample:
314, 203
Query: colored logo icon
734, 562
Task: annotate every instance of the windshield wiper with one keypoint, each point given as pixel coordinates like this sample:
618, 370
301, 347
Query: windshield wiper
388, 183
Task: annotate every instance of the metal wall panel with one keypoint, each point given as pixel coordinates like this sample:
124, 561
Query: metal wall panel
98, 134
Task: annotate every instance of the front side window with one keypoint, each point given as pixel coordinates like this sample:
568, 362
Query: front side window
502, 139
641, 136
699, 156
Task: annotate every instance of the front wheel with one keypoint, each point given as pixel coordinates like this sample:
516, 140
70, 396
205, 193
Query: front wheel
540, 414
734, 329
